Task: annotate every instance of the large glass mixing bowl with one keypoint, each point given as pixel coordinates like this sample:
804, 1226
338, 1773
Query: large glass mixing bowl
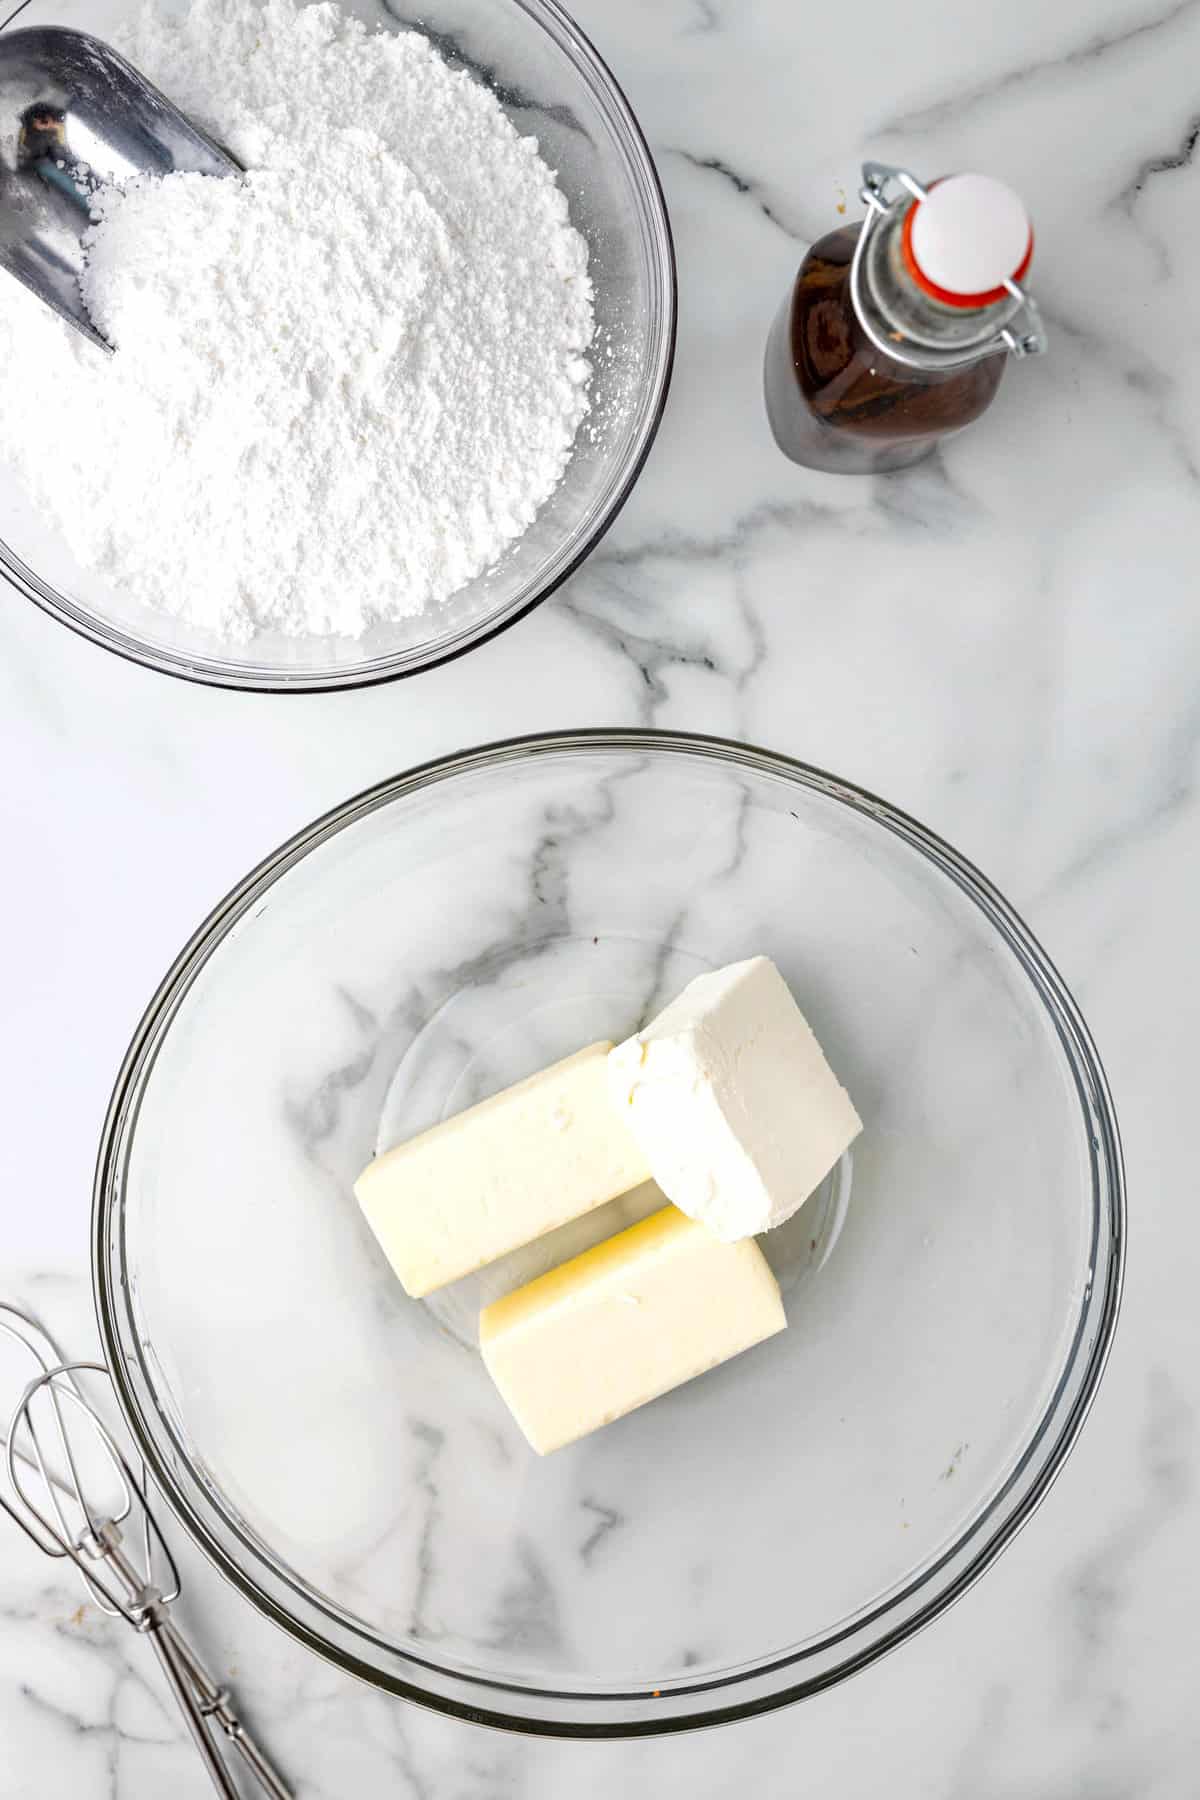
554, 87
338, 1450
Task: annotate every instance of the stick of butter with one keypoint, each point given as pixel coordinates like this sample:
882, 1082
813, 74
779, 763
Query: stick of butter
500, 1174
730, 1097
637, 1315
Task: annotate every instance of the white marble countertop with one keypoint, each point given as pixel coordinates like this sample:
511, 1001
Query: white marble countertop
1004, 642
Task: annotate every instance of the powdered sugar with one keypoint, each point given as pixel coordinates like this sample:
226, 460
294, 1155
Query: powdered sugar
342, 385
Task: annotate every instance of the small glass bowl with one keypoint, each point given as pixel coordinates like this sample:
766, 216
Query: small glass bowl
555, 87
338, 1450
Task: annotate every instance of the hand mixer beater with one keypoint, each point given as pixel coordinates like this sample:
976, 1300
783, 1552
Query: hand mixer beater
57, 1451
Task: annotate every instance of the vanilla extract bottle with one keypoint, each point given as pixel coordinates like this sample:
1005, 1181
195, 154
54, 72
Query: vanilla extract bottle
898, 329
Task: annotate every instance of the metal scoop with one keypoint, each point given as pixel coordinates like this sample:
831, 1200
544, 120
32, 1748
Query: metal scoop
73, 116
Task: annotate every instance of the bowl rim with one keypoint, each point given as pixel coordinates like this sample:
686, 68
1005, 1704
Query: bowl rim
854, 1642
119, 642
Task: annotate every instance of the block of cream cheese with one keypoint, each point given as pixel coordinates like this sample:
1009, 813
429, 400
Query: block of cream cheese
730, 1097
637, 1315
500, 1174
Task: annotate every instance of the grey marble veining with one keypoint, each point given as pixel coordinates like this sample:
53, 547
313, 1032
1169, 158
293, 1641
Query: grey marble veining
1004, 641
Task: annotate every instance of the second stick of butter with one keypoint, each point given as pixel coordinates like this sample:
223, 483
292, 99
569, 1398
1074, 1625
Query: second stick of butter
501, 1174
630, 1319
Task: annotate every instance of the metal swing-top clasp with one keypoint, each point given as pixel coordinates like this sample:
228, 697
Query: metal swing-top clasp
1022, 332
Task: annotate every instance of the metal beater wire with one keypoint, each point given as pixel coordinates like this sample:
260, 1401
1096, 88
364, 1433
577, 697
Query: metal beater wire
26, 1332
61, 1523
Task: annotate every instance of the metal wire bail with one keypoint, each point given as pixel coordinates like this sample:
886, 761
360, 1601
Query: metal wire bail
883, 185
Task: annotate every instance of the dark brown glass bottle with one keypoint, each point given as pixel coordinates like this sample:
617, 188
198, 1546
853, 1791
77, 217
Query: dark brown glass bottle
869, 363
